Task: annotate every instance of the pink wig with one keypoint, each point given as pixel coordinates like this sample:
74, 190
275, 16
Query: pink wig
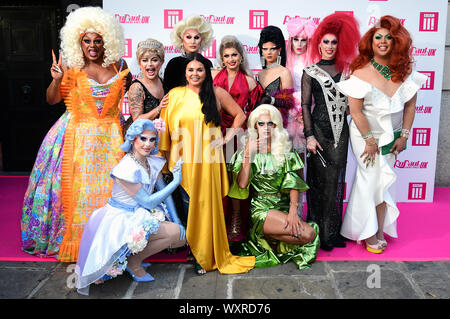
346, 30
299, 27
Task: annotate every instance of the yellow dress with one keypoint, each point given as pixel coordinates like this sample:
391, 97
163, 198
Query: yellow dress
204, 178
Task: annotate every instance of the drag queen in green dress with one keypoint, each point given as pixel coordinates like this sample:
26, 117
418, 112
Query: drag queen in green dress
271, 167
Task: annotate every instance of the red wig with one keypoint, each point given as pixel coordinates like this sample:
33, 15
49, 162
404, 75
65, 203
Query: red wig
400, 59
346, 30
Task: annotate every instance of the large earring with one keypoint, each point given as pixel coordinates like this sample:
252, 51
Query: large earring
263, 62
320, 50
279, 59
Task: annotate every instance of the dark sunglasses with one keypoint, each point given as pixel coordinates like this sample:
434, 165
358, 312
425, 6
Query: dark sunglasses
269, 124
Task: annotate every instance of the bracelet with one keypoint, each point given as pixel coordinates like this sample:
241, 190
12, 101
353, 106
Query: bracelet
292, 203
367, 135
405, 133
272, 100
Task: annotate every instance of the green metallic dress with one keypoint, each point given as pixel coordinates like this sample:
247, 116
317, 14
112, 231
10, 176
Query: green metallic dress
271, 185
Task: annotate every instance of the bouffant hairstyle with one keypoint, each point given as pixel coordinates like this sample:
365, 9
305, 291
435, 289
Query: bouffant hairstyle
230, 41
299, 27
192, 22
400, 59
91, 19
275, 35
346, 29
150, 46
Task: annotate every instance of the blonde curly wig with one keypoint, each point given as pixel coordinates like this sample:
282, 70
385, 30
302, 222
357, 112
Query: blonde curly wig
280, 143
91, 19
192, 22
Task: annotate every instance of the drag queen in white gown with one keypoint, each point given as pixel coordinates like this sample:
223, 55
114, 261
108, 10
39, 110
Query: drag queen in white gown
136, 222
382, 93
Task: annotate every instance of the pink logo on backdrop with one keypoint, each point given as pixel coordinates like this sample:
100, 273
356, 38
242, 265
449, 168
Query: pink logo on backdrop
316, 20
429, 21
348, 12
128, 48
411, 164
218, 19
417, 191
373, 20
423, 51
210, 53
258, 19
421, 137
171, 49
429, 84
125, 106
126, 18
171, 17
249, 49
423, 109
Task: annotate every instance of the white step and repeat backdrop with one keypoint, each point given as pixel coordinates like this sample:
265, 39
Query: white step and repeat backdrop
425, 20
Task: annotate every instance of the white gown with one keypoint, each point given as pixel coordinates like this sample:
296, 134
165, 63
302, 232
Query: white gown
373, 185
121, 227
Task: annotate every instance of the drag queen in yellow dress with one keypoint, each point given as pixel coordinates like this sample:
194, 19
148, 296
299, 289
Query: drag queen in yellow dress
193, 133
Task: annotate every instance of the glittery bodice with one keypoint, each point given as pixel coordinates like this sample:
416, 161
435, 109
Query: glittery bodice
100, 91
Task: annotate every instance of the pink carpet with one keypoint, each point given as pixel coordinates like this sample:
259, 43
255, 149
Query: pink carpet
423, 229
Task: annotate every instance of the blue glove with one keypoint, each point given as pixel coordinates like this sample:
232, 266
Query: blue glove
170, 204
150, 201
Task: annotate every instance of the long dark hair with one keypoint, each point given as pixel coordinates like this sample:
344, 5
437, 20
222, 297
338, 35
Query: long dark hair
207, 95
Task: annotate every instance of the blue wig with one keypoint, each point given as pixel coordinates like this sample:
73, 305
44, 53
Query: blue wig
135, 129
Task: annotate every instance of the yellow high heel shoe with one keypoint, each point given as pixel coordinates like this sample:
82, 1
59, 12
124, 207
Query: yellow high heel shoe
376, 249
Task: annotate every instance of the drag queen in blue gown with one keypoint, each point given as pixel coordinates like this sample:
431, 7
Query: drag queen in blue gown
137, 222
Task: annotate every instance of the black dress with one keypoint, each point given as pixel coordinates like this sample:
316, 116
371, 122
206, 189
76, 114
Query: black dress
150, 103
328, 124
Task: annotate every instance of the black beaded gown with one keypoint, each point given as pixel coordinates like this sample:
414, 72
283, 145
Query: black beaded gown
328, 124
150, 102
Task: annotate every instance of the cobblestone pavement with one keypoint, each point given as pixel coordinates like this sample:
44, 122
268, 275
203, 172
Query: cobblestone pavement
325, 280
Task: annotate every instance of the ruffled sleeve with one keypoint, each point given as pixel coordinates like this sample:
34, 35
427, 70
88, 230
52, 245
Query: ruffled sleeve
354, 87
234, 167
412, 84
291, 179
156, 165
129, 171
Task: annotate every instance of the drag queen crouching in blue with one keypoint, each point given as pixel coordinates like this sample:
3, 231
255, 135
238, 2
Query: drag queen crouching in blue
137, 222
